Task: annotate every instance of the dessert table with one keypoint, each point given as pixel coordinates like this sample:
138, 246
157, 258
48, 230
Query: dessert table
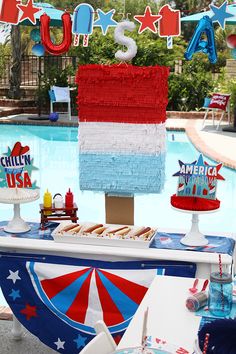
21, 253
166, 247
168, 318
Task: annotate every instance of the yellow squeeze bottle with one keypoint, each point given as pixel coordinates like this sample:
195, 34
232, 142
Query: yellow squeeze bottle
47, 202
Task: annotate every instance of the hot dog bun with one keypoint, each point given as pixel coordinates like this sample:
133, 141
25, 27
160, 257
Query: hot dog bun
92, 228
147, 232
116, 230
99, 230
123, 232
75, 230
68, 228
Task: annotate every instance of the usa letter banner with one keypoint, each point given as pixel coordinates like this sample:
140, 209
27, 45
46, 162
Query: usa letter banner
59, 299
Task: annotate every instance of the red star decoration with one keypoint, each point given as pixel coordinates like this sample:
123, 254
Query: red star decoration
29, 11
29, 311
147, 20
218, 167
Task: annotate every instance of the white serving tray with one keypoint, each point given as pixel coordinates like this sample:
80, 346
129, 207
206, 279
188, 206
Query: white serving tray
95, 240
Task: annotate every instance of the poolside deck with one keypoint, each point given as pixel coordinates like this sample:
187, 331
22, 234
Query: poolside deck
29, 343
217, 145
33, 119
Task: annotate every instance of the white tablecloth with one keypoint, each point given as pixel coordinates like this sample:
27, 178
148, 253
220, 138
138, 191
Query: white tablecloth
168, 318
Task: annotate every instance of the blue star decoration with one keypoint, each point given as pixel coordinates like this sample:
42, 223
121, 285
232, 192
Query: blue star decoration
80, 341
15, 294
220, 14
105, 20
183, 172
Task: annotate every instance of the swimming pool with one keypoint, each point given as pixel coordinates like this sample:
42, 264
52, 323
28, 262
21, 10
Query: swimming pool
55, 152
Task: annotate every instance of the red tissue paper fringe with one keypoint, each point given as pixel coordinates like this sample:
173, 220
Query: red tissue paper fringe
194, 203
122, 93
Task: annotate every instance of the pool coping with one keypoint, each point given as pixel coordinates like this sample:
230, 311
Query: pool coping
193, 129
202, 146
23, 119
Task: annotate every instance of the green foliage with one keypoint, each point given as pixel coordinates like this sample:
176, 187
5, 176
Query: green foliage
54, 75
101, 49
226, 85
129, 6
4, 51
187, 91
152, 49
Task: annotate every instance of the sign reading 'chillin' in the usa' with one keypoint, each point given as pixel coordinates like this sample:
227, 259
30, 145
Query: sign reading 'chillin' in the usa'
16, 167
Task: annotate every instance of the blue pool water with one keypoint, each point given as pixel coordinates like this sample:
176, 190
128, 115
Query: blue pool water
55, 152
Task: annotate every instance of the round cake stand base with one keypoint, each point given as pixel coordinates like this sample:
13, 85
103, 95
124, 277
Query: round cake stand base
194, 237
17, 224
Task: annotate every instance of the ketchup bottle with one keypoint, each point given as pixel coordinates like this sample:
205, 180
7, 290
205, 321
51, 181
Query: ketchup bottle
69, 200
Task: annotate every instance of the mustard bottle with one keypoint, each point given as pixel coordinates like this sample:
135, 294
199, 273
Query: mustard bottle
47, 202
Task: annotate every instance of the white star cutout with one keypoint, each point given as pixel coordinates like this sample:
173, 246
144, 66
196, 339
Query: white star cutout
59, 344
14, 276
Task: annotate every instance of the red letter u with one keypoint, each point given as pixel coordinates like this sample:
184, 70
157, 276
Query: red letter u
64, 46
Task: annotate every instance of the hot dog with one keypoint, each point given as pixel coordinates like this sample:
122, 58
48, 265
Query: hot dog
123, 232
116, 230
75, 230
68, 228
92, 228
145, 233
99, 230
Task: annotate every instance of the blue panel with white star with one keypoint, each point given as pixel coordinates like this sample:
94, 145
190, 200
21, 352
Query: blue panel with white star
33, 311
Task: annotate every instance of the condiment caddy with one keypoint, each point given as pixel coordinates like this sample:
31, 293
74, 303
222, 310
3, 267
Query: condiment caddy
55, 209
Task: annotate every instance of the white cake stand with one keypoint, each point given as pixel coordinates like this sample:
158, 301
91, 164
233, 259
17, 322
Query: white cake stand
194, 237
17, 224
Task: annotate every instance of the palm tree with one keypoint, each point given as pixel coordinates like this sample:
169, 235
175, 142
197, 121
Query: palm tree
15, 71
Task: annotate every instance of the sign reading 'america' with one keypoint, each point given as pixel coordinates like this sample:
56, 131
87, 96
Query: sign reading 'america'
198, 179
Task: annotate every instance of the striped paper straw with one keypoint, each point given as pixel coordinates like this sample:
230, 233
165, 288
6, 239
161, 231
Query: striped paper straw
170, 42
220, 265
221, 286
206, 342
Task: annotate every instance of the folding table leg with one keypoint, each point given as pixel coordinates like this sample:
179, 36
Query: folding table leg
229, 115
204, 119
51, 106
213, 117
69, 110
221, 118
16, 329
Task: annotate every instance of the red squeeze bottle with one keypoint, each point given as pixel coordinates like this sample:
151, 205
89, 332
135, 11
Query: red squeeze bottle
69, 199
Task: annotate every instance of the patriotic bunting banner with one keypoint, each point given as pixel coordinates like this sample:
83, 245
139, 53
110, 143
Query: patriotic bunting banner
60, 299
